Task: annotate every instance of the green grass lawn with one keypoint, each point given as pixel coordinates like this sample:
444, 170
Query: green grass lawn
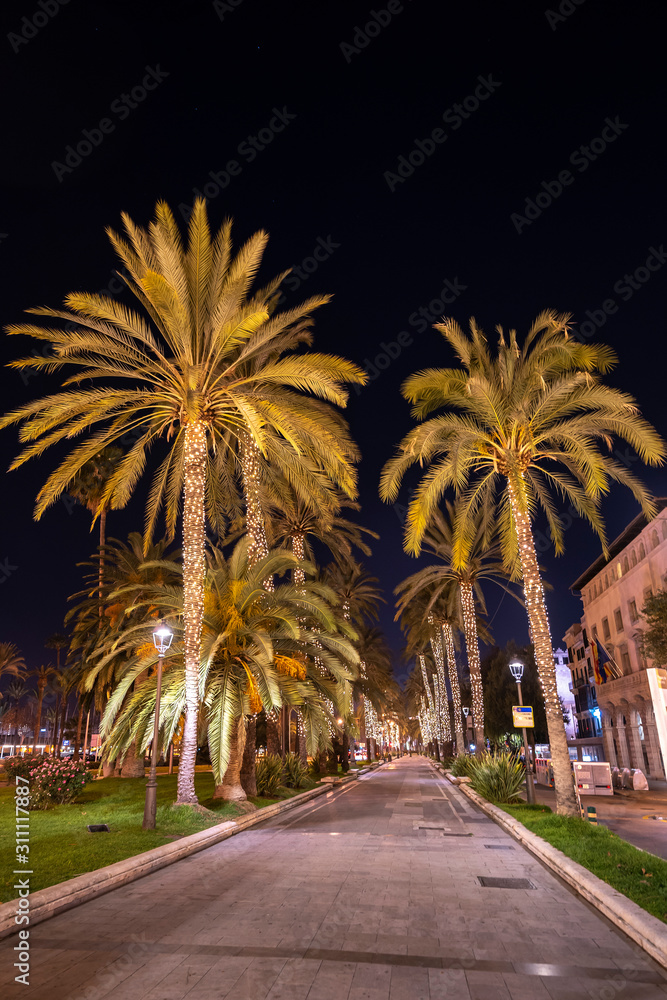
640, 876
61, 846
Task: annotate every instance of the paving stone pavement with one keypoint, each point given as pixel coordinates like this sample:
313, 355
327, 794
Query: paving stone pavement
373, 894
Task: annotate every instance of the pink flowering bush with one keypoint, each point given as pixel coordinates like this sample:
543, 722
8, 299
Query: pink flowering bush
21, 765
54, 782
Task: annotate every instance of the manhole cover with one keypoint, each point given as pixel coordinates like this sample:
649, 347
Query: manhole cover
499, 847
504, 883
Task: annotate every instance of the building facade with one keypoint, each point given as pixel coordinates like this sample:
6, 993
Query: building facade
565, 691
630, 708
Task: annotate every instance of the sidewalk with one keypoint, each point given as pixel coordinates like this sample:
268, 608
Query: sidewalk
376, 893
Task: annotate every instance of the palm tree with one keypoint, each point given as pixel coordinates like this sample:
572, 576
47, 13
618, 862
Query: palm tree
457, 586
253, 649
11, 661
202, 375
518, 424
42, 676
88, 488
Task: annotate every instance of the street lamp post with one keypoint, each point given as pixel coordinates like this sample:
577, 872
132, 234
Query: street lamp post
465, 711
517, 673
162, 637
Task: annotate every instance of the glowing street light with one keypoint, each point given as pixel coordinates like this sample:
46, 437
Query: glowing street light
516, 668
162, 637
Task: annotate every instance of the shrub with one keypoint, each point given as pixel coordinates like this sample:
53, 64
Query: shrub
498, 778
269, 773
296, 773
464, 765
54, 782
22, 766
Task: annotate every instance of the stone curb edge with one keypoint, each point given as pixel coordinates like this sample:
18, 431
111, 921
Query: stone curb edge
46, 903
645, 929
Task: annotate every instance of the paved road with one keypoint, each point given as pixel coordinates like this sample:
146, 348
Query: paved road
632, 815
373, 894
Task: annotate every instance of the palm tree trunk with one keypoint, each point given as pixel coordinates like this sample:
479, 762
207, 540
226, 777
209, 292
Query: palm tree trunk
299, 550
472, 650
40, 698
258, 547
248, 767
438, 657
302, 746
231, 789
100, 572
56, 720
272, 735
453, 673
566, 803
63, 720
133, 765
194, 568
77, 741
345, 763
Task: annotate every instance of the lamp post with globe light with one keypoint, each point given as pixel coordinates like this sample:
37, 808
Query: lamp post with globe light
162, 637
516, 668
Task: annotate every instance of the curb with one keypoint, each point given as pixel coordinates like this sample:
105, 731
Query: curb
646, 930
46, 903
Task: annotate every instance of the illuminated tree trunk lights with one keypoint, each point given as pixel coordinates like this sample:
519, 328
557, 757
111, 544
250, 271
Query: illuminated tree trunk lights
258, 547
472, 650
194, 543
540, 634
445, 729
448, 636
299, 550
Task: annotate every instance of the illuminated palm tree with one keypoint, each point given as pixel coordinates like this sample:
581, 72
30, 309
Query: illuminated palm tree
11, 661
518, 424
202, 375
42, 676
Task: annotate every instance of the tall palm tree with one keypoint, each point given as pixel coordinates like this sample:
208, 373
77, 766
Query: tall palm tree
458, 587
42, 676
198, 378
519, 423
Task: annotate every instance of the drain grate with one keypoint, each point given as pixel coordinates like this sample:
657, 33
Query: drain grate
499, 847
504, 883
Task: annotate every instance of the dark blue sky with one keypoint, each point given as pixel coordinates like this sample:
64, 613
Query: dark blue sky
470, 160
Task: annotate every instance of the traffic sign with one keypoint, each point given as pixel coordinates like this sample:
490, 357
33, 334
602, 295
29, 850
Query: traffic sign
522, 717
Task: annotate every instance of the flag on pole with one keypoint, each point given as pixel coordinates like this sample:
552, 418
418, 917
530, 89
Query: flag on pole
604, 666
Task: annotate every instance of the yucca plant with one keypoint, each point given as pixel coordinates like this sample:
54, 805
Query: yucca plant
498, 778
269, 775
463, 765
296, 773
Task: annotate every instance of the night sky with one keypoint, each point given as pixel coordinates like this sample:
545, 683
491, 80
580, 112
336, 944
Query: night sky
415, 160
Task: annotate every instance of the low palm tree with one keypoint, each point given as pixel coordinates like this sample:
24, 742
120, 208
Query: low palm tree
518, 424
253, 651
42, 676
12, 663
203, 373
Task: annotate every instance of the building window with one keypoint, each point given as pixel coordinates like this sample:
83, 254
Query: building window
642, 551
605, 629
632, 608
595, 631
654, 539
633, 558
625, 662
664, 529
619, 571
626, 565
618, 620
